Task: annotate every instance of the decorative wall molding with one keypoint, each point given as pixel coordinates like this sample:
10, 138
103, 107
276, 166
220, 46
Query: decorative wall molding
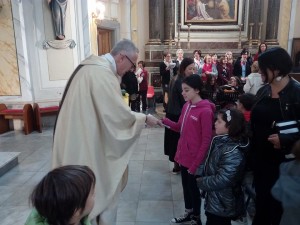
59, 44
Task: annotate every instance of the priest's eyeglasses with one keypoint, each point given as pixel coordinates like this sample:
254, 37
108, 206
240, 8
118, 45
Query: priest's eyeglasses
133, 65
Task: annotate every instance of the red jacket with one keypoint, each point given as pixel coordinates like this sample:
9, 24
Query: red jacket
144, 84
195, 126
206, 67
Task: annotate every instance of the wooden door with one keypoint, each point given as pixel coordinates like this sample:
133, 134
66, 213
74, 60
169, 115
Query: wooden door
104, 41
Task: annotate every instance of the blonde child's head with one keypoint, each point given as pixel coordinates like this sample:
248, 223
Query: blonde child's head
255, 67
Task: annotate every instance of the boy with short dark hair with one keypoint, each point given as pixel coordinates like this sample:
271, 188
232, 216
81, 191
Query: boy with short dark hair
245, 103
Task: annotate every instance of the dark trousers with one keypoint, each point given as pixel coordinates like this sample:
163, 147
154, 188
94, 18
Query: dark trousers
268, 209
171, 138
191, 192
143, 94
135, 104
165, 89
212, 219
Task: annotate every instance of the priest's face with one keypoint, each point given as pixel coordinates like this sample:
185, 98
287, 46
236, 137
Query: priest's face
126, 62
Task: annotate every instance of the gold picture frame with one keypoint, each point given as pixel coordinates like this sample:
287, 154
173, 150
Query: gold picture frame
209, 12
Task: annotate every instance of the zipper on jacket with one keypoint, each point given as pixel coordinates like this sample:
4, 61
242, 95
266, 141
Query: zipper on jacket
209, 151
280, 105
183, 121
184, 117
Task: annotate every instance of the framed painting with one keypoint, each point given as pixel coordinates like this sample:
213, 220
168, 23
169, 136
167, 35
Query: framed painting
207, 12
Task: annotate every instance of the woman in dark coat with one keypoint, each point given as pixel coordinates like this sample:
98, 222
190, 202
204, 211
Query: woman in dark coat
261, 49
174, 107
277, 101
242, 66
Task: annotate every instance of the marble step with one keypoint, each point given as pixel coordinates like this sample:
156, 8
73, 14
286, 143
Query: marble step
8, 160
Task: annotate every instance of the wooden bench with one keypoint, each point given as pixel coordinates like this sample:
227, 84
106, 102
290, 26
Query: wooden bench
25, 114
43, 111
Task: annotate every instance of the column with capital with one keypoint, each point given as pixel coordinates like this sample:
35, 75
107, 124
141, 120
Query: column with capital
272, 22
169, 18
255, 16
240, 36
155, 20
259, 32
178, 36
250, 34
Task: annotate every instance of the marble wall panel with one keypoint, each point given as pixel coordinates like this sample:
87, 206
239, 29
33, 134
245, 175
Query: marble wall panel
9, 71
155, 80
157, 55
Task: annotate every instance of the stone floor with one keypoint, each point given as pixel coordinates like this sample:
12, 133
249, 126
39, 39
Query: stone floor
153, 194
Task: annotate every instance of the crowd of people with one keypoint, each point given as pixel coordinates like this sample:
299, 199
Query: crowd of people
135, 83
249, 136
211, 148
218, 74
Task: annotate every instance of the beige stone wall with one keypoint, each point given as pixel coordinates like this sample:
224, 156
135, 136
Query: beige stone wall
296, 25
9, 72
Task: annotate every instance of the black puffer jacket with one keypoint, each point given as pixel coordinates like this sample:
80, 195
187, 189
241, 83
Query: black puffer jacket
223, 174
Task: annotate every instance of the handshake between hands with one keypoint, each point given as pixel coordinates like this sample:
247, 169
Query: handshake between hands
153, 121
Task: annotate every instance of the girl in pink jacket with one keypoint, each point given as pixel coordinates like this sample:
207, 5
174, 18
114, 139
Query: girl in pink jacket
195, 127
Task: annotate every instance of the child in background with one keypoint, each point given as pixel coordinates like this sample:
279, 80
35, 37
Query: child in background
287, 189
254, 80
224, 169
65, 196
195, 127
142, 77
244, 104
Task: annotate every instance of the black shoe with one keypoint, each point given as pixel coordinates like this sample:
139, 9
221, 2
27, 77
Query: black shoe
176, 170
186, 217
195, 220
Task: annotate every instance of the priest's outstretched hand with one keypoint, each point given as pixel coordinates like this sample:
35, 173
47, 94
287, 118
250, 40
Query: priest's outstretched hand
151, 120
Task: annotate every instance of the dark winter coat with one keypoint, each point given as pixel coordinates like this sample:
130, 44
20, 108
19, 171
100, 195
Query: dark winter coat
223, 174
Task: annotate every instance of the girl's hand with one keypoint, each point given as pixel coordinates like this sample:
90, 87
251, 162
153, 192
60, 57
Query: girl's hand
274, 139
151, 120
190, 172
160, 123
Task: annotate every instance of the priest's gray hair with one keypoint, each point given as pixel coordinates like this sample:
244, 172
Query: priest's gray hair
126, 46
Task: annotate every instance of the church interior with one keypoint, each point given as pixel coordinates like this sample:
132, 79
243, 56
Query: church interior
35, 65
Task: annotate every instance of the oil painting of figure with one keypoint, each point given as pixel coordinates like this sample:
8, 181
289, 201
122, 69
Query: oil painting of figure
211, 10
